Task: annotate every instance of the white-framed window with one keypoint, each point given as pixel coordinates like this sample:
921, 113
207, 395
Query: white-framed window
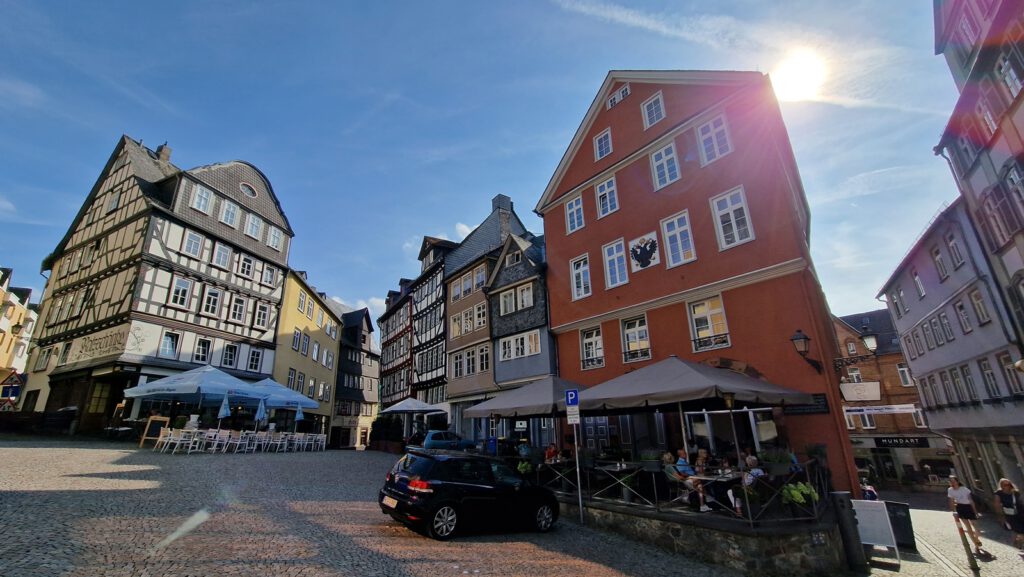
514, 258
972, 390
201, 198
573, 215
636, 342
1008, 75
940, 338
253, 225
525, 296
851, 422
296, 339
618, 96
329, 360
978, 302
320, 318
291, 379
904, 372
316, 351
457, 366
961, 315
237, 312
732, 223
65, 352
853, 374
169, 345
918, 344
300, 382
851, 348
302, 301
917, 283
984, 112
229, 356
480, 276
274, 237
201, 354
114, 201
929, 338
918, 415
897, 309
305, 345
867, 421
607, 199
664, 167
470, 362
467, 321
309, 309
229, 213
954, 250
522, 345
989, 377
481, 315
269, 275
193, 244
592, 348
261, 317
708, 325
211, 301
653, 110
940, 263
222, 256
676, 231
603, 144
456, 324
714, 140
1011, 373
507, 301
255, 360
181, 292
615, 264
580, 268
947, 329
246, 265
484, 353
456, 289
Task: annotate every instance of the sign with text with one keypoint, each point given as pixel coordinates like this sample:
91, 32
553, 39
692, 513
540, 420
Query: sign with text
902, 442
881, 410
819, 406
572, 406
520, 425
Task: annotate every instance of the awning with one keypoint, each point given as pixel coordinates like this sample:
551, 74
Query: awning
205, 383
539, 398
675, 380
278, 396
411, 405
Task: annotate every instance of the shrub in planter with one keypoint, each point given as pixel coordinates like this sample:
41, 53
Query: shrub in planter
799, 494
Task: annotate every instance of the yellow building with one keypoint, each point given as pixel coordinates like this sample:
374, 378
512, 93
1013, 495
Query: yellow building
17, 319
307, 353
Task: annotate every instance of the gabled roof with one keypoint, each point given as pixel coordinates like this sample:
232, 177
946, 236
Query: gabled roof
877, 323
23, 294
5, 276
703, 77
531, 247
227, 177
432, 241
486, 237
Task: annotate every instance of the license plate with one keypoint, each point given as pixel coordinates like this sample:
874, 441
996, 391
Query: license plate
390, 502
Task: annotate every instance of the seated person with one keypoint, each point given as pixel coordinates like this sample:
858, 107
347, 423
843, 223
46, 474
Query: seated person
682, 471
702, 463
753, 471
551, 453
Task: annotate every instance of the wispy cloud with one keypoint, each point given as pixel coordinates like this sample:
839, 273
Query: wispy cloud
9, 213
880, 181
15, 93
463, 230
374, 304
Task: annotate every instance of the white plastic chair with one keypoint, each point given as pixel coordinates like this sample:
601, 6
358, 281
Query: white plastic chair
161, 440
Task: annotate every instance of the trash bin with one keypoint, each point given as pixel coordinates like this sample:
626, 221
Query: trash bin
492, 446
902, 526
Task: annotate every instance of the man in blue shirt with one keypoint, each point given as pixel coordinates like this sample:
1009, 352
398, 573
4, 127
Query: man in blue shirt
686, 471
682, 465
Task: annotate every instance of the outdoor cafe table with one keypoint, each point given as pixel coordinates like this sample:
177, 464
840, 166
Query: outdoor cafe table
620, 473
563, 471
716, 484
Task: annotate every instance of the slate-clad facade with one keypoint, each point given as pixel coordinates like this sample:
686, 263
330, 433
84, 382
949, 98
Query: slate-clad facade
162, 270
358, 391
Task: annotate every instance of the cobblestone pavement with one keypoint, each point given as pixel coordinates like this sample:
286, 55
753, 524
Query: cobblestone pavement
75, 508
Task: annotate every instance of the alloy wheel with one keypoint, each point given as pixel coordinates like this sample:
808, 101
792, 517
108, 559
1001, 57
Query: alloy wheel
443, 522
544, 518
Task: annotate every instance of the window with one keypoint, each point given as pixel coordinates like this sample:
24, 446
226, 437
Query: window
484, 352
918, 344
296, 339
456, 326
65, 351
470, 362
904, 373
467, 321
664, 167
274, 237
961, 315
940, 264
708, 326
457, 365
919, 419
302, 301
329, 360
593, 348
290, 383
320, 318
316, 351
269, 275
851, 422
211, 301
636, 342
607, 200
253, 226
618, 96
309, 309
508, 302
929, 338
853, 373
229, 213
902, 299
917, 283
947, 329
603, 144
115, 200
514, 258
1011, 373
479, 277
181, 292
481, 315
867, 421
676, 231
940, 338
525, 293
580, 268
714, 140
201, 354
851, 348
573, 215
230, 355
237, 312
456, 288
1007, 73
972, 390
984, 112
262, 316
201, 199
897, 309
979, 307
193, 245
169, 345
654, 110
245, 266
524, 345
952, 396
954, 250
300, 382
222, 256
989, 377
615, 264
255, 360
731, 223
305, 344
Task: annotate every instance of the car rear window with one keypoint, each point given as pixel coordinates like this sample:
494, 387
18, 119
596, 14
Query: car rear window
468, 470
415, 465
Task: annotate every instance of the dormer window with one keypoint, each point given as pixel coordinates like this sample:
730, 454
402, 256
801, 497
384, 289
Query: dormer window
513, 258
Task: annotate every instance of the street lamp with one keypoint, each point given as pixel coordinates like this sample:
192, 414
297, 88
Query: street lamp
870, 341
802, 344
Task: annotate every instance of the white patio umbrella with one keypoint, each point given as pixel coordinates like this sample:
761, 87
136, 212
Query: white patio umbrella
192, 386
278, 396
225, 411
298, 417
261, 415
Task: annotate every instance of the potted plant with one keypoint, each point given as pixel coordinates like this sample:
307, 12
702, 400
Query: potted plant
800, 496
524, 467
777, 461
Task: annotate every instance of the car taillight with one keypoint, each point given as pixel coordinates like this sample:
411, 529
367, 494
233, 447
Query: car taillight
388, 478
420, 486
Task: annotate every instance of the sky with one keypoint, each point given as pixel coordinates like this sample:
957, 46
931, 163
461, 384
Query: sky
380, 122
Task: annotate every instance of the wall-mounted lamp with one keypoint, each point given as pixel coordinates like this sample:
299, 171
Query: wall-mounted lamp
730, 400
802, 344
16, 329
870, 341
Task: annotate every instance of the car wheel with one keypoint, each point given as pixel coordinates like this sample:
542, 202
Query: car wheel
544, 517
442, 522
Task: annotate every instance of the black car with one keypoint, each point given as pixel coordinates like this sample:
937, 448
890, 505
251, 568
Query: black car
445, 492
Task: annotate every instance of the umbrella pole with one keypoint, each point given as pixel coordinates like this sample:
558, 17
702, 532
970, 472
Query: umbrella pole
682, 426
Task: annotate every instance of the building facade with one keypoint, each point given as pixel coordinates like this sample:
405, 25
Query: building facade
358, 391
894, 448
17, 321
958, 339
162, 270
395, 325
676, 224
429, 360
307, 359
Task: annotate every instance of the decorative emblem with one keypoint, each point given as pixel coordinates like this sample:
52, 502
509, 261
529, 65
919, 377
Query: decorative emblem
643, 252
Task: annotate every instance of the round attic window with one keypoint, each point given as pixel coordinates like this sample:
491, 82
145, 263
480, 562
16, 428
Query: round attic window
247, 189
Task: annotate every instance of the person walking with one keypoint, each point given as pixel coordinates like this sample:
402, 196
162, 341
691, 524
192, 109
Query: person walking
1010, 507
961, 503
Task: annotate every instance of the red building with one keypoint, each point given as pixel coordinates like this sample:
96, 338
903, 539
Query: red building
676, 224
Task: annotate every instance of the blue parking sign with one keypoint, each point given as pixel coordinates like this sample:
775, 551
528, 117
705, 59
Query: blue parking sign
572, 397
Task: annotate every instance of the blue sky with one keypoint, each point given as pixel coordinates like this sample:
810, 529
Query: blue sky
380, 122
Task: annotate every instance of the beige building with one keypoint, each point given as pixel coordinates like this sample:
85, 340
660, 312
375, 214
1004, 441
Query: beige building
17, 320
307, 353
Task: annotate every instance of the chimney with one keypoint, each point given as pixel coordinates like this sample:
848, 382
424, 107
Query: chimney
163, 152
503, 205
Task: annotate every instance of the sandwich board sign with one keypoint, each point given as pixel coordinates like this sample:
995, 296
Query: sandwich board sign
873, 524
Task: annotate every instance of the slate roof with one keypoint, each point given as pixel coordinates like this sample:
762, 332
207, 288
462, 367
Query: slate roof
227, 178
5, 275
878, 323
23, 294
484, 238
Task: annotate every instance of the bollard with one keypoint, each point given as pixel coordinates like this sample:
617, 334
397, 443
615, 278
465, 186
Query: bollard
971, 561
847, 521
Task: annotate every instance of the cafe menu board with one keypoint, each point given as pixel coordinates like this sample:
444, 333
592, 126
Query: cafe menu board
152, 430
819, 406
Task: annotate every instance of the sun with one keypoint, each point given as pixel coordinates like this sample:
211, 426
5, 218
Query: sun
799, 76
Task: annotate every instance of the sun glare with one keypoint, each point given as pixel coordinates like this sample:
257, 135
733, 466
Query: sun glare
799, 76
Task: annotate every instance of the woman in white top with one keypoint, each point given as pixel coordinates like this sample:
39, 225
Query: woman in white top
961, 503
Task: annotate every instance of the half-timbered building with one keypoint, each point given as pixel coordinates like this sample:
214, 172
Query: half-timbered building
428, 322
396, 345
